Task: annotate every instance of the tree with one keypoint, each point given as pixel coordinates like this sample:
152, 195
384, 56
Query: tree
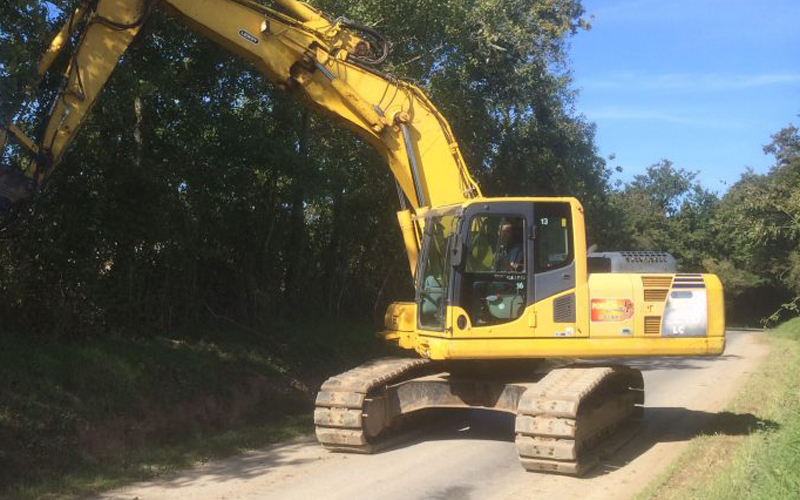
667, 209
188, 196
759, 222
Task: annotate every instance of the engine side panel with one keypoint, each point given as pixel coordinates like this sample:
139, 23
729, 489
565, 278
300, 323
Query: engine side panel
626, 314
656, 305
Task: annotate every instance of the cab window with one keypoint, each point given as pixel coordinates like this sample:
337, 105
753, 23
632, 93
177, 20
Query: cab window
553, 248
493, 285
433, 275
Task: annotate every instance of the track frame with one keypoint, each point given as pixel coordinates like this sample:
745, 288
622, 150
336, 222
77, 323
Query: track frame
564, 416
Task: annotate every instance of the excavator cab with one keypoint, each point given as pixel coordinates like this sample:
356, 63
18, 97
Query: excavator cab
492, 260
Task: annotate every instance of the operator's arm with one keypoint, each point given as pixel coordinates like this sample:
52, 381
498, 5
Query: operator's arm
323, 60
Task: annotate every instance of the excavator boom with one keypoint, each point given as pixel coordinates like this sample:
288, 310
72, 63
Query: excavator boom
325, 62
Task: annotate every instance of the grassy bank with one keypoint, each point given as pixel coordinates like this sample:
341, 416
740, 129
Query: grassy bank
82, 418
764, 463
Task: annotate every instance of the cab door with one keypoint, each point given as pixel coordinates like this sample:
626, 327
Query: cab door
492, 282
554, 272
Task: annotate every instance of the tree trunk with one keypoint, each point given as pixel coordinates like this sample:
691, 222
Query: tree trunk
137, 131
331, 257
295, 243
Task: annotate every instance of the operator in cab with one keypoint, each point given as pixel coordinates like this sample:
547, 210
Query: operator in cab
510, 257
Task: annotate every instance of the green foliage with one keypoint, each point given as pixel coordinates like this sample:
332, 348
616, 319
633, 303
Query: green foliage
759, 222
737, 280
667, 209
197, 193
20, 47
80, 417
60, 394
749, 237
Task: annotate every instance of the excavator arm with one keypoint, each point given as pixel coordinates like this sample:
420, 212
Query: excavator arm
328, 63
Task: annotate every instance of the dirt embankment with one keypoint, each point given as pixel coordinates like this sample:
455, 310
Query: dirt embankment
255, 397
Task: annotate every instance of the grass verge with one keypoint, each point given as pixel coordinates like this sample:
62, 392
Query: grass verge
78, 419
94, 475
764, 463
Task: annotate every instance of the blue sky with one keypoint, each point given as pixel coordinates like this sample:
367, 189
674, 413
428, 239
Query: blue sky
703, 83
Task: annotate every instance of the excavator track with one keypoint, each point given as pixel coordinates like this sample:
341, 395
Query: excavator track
566, 421
574, 415
351, 408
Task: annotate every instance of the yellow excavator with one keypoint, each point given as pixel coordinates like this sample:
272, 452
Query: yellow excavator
499, 281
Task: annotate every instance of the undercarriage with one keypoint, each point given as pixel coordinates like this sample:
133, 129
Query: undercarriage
564, 415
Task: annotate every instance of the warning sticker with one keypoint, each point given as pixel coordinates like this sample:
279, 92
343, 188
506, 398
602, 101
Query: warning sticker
610, 310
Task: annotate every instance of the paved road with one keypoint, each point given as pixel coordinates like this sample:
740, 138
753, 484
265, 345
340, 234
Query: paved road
478, 460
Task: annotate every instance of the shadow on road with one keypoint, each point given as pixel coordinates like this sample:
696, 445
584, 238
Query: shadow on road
687, 363
662, 363
674, 424
466, 424
660, 425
